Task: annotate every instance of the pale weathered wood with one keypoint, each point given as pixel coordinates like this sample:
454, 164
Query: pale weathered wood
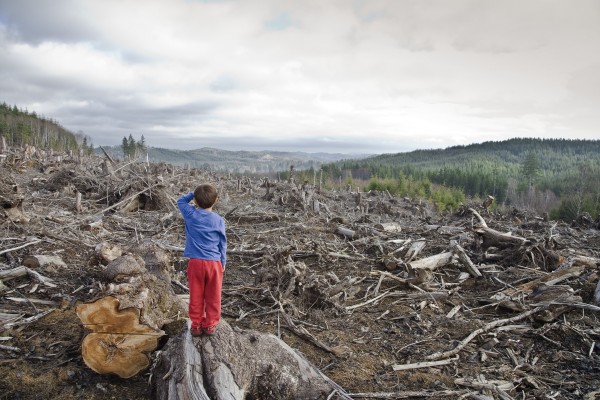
13, 273
178, 373
465, 260
432, 262
500, 387
584, 260
227, 364
549, 279
22, 271
408, 394
20, 247
391, 227
423, 364
78, 207
16, 321
414, 250
108, 253
492, 237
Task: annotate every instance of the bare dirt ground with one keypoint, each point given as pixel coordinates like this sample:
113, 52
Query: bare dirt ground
353, 305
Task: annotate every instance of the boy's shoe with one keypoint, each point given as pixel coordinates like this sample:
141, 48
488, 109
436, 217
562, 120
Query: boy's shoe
196, 330
210, 330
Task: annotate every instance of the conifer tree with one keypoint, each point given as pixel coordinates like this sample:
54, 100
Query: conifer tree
530, 168
125, 147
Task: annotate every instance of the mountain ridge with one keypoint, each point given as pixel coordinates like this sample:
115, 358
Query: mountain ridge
239, 161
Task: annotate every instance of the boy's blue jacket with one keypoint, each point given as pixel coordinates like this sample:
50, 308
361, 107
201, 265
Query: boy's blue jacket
205, 237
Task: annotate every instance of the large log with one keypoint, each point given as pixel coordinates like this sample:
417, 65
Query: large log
236, 365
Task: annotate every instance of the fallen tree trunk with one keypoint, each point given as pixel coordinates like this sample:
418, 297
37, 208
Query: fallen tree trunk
492, 237
235, 365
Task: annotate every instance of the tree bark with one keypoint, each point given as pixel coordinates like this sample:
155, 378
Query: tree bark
235, 365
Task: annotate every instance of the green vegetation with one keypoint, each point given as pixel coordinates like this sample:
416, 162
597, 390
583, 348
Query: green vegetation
133, 149
21, 127
558, 176
444, 198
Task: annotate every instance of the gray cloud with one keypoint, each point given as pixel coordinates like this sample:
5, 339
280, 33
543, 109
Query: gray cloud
365, 76
38, 21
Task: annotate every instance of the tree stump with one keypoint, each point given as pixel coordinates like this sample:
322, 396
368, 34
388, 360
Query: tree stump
118, 343
11, 199
236, 364
126, 320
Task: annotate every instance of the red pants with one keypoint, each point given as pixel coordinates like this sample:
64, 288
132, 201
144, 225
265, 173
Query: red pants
205, 278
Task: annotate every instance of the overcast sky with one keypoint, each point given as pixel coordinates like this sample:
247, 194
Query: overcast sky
349, 76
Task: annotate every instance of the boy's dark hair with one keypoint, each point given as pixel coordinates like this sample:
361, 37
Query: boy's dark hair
205, 195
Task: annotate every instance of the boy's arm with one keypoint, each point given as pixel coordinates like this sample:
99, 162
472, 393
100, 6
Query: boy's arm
223, 246
184, 204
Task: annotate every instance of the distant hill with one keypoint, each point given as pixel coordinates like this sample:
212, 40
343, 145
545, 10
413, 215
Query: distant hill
554, 157
20, 127
236, 161
536, 173
551, 153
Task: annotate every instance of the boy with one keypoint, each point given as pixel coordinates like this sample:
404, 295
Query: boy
205, 245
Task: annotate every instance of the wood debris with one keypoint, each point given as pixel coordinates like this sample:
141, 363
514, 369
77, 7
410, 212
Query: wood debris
381, 295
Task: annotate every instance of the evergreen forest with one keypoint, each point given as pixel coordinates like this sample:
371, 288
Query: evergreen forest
21, 127
560, 177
